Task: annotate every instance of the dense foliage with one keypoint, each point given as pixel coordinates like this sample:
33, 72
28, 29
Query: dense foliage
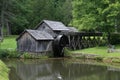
115, 38
100, 15
17, 15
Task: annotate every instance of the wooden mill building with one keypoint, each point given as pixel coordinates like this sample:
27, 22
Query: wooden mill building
53, 36
54, 28
42, 38
34, 41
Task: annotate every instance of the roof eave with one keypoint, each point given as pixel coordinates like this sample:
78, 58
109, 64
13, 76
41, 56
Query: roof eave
44, 39
21, 34
37, 26
60, 30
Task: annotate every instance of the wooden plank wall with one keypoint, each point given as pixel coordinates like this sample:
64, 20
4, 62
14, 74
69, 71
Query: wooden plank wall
46, 28
28, 44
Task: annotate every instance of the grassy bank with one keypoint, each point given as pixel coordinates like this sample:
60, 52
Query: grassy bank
3, 71
9, 42
8, 47
99, 53
8, 50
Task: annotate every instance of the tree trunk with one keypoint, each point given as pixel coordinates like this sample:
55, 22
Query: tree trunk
0, 32
8, 28
2, 22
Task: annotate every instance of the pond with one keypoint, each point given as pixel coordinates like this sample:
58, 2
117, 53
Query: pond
60, 69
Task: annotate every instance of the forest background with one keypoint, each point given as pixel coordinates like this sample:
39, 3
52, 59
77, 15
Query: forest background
85, 15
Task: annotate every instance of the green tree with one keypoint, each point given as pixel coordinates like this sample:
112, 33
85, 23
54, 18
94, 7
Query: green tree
13, 15
102, 15
20, 21
65, 12
5, 14
17, 15
60, 10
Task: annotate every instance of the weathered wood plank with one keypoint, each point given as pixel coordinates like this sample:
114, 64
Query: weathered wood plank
28, 44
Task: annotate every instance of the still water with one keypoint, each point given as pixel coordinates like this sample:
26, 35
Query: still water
60, 69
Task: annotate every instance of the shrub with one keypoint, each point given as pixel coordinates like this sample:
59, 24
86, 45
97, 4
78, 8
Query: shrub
6, 53
33, 56
99, 58
14, 54
27, 56
114, 38
67, 51
3, 53
116, 60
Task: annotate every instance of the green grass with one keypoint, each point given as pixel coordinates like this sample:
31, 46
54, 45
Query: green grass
8, 43
3, 71
8, 47
98, 53
101, 51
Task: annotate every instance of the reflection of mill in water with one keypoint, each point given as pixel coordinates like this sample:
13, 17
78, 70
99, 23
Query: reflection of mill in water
59, 70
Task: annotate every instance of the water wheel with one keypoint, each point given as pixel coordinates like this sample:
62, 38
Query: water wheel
59, 43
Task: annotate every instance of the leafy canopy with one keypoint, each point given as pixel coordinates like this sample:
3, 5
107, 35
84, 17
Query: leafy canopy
96, 14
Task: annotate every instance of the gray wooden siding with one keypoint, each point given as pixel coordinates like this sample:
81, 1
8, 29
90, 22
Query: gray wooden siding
28, 44
43, 46
46, 28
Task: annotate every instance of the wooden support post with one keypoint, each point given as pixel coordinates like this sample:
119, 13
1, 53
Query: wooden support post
84, 40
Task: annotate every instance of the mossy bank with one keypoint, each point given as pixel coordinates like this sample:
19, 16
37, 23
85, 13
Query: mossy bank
97, 53
4, 71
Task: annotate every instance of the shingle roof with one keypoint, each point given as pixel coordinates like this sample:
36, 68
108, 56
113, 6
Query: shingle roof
38, 35
55, 25
72, 29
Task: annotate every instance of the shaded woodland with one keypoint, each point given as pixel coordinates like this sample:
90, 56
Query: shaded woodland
86, 15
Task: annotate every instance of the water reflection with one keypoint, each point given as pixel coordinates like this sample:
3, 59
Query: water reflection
59, 70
